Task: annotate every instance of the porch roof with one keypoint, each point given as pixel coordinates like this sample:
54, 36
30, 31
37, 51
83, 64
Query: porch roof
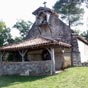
34, 43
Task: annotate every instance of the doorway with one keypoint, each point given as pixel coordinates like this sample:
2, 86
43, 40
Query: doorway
46, 55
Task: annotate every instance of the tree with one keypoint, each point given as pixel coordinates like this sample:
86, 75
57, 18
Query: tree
23, 27
70, 11
85, 35
17, 39
77, 31
5, 36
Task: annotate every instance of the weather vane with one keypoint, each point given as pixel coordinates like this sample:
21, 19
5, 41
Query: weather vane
44, 4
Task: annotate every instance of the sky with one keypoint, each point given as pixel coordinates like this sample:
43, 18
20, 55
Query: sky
13, 10
84, 27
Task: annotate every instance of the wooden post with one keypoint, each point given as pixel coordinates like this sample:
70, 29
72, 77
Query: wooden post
53, 60
1, 55
22, 53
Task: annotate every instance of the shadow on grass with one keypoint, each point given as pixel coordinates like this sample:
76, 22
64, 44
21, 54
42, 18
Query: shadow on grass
6, 81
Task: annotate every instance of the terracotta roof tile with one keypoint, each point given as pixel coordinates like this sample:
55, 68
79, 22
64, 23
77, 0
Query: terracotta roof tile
32, 43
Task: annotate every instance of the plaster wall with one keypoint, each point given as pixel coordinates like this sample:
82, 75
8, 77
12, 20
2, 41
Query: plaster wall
83, 48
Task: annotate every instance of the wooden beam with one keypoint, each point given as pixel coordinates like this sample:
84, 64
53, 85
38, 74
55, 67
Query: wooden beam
51, 50
22, 53
1, 55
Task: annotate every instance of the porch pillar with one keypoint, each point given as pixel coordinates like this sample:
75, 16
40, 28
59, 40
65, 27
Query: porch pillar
52, 60
22, 53
1, 55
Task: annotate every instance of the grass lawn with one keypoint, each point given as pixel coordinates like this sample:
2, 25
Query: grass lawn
76, 77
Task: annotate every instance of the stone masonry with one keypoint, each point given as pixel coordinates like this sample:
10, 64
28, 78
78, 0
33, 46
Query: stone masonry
75, 54
26, 68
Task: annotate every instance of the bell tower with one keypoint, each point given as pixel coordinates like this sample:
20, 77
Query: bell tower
43, 15
45, 22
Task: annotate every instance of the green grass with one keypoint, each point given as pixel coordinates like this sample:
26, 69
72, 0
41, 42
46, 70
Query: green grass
76, 77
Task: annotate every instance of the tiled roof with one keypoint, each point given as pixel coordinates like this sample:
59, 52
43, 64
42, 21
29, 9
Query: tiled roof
82, 39
42, 9
45, 9
33, 43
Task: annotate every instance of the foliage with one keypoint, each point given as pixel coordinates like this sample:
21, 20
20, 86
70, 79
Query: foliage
23, 27
70, 11
77, 31
17, 39
85, 35
86, 3
76, 77
5, 36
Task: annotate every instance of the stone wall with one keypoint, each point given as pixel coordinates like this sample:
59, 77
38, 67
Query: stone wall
85, 64
75, 54
67, 59
59, 61
55, 29
35, 55
34, 68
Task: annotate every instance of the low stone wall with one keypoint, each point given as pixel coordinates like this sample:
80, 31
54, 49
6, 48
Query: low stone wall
34, 68
85, 64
